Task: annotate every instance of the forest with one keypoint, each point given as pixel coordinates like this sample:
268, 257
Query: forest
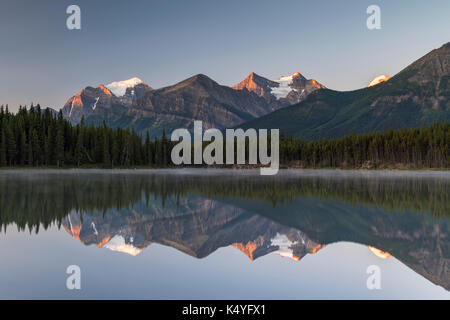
41, 138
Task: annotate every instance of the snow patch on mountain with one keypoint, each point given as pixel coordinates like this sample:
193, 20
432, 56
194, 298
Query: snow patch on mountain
284, 246
71, 107
118, 243
284, 88
120, 87
95, 104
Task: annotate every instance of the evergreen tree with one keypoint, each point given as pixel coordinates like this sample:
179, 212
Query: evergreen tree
148, 150
115, 155
164, 149
59, 148
79, 148
11, 146
22, 147
106, 153
2, 148
34, 149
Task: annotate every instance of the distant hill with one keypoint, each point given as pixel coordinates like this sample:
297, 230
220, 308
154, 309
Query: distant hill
418, 95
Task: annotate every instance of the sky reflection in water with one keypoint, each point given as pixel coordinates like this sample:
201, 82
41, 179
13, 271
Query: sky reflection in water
224, 234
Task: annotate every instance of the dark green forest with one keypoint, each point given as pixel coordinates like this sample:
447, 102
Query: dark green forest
39, 138
414, 148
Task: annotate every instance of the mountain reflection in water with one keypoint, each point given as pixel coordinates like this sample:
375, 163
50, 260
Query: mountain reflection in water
293, 214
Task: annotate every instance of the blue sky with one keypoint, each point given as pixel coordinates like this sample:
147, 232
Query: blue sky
163, 42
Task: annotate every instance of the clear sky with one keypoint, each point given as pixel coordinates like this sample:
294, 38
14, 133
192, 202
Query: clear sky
163, 42
338, 271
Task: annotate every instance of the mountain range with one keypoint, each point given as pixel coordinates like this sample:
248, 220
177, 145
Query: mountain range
418, 95
303, 108
133, 103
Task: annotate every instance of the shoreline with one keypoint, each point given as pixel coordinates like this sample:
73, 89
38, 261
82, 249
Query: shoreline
236, 172
225, 167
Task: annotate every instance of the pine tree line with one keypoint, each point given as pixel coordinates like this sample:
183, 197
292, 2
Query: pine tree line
412, 148
33, 137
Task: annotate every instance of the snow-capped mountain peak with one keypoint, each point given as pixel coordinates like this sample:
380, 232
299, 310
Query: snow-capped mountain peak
288, 78
119, 88
286, 90
378, 80
284, 85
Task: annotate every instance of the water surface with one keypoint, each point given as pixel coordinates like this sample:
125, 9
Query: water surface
225, 234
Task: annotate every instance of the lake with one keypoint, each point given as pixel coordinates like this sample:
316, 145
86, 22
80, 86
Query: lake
225, 234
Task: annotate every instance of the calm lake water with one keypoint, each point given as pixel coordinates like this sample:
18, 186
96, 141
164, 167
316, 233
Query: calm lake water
225, 234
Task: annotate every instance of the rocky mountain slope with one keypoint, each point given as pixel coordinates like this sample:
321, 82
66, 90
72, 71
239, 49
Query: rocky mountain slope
102, 104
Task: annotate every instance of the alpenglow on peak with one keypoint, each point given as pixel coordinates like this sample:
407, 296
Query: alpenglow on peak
120, 87
378, 80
